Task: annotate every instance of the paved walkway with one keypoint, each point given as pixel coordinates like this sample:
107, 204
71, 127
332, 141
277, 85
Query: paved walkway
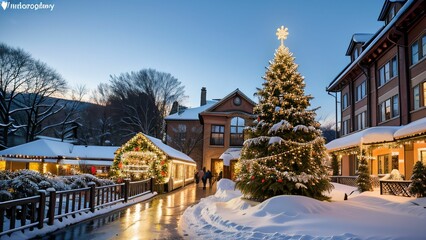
155, 219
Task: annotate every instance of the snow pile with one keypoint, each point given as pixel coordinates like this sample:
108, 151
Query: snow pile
227, 216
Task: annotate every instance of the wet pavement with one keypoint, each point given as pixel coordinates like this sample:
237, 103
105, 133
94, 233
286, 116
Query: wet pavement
154, 219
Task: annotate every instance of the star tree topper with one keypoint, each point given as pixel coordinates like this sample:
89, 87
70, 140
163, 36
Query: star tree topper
282, 34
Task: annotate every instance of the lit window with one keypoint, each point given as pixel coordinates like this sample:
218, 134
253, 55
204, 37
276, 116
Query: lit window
423, 156
237, 131
424, 93
217, 135
389, 108
416, 92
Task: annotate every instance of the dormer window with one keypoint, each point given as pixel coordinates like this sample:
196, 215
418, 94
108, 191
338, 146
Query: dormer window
355, 53
391, 14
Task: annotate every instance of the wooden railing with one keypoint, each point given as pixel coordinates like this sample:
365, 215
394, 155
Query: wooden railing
395, 187
351, 180
27, 213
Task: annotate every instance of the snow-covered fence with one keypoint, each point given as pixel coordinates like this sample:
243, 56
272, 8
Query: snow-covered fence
395, 187
110, 194
69, 202
139, 188
21, 214
24, 213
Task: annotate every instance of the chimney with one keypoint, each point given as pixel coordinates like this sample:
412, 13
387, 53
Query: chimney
203, 96
175, 108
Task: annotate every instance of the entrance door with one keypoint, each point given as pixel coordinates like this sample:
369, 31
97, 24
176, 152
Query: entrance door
217, 166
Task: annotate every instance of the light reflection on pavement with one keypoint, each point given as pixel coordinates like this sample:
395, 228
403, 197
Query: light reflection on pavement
155, 219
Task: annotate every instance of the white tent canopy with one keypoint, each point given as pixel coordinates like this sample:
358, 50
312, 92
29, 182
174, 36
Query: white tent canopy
230, 154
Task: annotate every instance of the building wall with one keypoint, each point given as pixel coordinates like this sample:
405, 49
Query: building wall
222, 115
191, 125
396, 42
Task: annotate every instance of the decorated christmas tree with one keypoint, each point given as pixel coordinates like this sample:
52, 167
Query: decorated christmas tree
363, 181
418, 185
285, 152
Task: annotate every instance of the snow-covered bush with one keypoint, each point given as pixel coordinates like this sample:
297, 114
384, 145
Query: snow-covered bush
26, 183
78, 183
44, 185
395, 175
58, 184
23, 187
5, 175
5, 195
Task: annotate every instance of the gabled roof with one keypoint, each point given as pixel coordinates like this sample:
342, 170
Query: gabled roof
227, 97
360, 38
48, 148
191, 113
169, 151
371, 44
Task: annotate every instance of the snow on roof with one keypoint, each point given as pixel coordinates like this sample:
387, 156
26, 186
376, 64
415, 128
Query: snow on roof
372, 43
49, 148
43, 147
413, 128
362, 37
230, 154
367, 136
171, 152
97, 152
191, 113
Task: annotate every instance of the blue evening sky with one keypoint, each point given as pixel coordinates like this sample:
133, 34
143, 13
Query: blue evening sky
221, 45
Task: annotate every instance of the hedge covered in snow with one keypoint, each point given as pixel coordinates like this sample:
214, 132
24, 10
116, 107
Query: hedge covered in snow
26, 183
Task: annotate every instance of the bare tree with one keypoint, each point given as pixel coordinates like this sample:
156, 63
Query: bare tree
185, 140
15, 71
146, 89
71, 114
39, 104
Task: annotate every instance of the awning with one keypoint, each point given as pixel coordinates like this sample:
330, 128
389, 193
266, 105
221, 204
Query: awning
414, 128
367, 136
230, 154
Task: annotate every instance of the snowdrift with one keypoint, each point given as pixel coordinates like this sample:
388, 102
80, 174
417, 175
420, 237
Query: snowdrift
227, 216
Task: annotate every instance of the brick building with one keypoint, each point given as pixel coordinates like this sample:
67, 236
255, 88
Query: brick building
208, 131
382, 93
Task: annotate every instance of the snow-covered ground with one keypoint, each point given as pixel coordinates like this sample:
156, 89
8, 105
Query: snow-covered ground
368, 215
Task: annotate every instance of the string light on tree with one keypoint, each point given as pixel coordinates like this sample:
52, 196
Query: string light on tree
285, 153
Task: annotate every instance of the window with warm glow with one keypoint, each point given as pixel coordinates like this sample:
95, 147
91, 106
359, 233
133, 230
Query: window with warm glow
237, 131
217, 135
389, 108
